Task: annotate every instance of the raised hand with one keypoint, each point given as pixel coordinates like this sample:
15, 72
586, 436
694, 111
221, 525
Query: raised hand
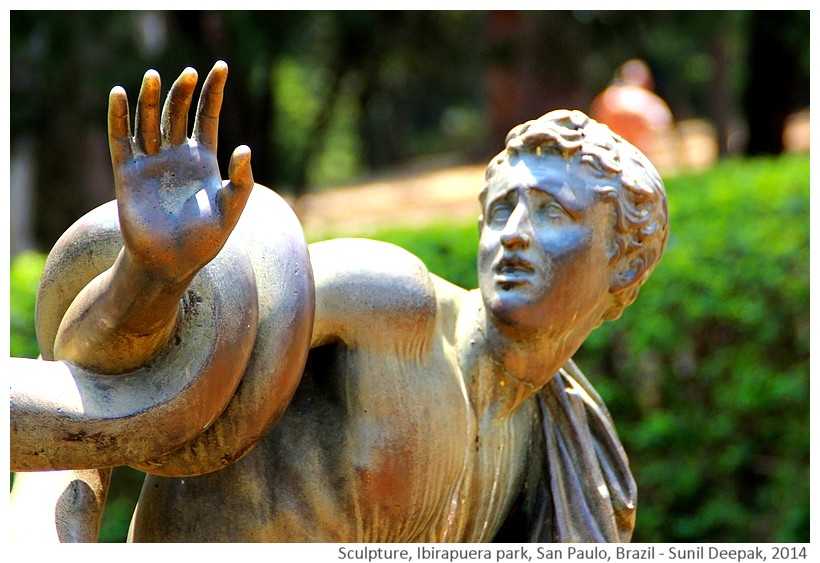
175, 211
175, 215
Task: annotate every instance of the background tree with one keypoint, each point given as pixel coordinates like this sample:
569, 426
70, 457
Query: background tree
778, 83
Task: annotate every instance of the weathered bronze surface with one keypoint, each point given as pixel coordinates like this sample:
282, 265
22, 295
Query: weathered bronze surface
341, 392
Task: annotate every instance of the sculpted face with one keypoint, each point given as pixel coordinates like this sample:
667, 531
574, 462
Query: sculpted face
544, 251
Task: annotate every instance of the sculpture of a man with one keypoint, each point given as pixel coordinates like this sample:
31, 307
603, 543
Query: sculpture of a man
424, 412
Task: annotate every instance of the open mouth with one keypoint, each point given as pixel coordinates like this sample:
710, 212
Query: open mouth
513, 271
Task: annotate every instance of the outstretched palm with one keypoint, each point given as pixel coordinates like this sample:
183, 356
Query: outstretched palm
175, 212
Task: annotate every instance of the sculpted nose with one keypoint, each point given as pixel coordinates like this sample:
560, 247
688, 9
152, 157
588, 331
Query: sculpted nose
517, 232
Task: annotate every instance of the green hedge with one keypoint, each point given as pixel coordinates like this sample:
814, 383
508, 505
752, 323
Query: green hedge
706, 375
24, 274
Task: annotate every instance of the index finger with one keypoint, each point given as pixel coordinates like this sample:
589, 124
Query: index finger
206, 125
119, 127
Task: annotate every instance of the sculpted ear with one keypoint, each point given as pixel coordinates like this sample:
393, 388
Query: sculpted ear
628, 275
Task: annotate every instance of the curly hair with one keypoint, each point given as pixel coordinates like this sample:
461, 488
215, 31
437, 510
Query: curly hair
639, 197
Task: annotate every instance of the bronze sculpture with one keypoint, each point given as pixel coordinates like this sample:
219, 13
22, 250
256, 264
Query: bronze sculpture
378, 402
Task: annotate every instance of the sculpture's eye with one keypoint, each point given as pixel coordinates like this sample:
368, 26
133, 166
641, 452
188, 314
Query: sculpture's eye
552, 210
500, 212
546, 207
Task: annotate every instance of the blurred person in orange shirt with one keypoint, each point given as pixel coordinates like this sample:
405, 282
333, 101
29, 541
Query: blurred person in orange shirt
630, 107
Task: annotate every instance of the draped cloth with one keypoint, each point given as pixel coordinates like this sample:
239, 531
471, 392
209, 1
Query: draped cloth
579, 487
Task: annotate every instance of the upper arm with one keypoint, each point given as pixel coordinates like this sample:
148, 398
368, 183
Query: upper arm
370, 292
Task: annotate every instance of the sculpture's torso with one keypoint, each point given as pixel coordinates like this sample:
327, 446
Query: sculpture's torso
384, 441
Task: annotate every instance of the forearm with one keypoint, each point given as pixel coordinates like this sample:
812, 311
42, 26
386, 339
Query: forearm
121, 319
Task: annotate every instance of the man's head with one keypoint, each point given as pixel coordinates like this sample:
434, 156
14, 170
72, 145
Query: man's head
635, 72
574, 221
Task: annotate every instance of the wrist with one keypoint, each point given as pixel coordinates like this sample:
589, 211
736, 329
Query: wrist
132, 272
147, 299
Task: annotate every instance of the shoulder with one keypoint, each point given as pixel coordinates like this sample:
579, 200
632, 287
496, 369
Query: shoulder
366, 287
358, 259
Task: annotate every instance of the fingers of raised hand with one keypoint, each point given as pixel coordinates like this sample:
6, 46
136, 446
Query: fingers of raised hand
234, 194
152, 130
119, 127
206, 125
146, 121
175, 111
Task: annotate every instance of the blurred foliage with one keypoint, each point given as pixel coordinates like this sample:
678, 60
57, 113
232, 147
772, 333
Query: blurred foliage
706, 374
24, 276
298, 90
126, 484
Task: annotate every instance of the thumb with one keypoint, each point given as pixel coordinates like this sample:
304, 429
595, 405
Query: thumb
234, 195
